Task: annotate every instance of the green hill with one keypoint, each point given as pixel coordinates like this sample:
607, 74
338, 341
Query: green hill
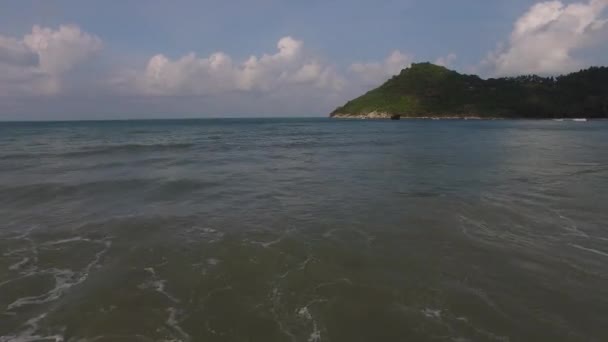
425, 90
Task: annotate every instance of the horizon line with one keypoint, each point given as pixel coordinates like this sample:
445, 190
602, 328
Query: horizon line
166, 119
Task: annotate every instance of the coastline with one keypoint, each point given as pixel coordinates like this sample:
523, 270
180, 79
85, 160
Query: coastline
387, 116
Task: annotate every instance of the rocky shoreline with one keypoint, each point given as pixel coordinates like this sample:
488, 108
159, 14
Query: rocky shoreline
387, 116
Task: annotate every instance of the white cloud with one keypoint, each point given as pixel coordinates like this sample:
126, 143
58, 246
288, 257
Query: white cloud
290, 80
37, 63
218, 73
374, 73
446, 61
59, 51
15, 52
546, 38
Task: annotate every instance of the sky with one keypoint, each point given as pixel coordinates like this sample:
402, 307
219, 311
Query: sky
130, 59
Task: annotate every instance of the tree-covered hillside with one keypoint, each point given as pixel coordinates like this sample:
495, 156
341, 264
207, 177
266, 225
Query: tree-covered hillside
429, 90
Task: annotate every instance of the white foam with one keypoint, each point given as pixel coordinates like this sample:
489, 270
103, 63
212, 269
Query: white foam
315, 335
275, 298
305, 263
595, 251
432, 313
174, 324
365, 235
112, 337
23, 235
64, 280
210, 233
331, 283
14, 279
157, 284
15, 251
29, 333
16, 266
329, 233
573, 227
107, 244
268, 243
304, 313
68, 240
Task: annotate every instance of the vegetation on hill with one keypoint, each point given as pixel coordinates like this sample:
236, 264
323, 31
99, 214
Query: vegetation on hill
425, 89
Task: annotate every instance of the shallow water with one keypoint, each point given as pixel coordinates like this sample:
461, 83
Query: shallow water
304, 230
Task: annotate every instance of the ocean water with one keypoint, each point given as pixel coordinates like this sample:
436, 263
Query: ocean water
304, 230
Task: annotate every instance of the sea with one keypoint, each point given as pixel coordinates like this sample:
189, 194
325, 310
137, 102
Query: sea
304, 230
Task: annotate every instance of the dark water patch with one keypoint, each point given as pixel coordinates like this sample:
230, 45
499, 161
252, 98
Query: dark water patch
126, 149
146, 131
422, 194
92, 151
176, 189
48, 192
153, 161
102, 165
595, 170
19, 156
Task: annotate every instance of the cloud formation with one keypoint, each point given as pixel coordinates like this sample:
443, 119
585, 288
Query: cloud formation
219, 73
37, 63
446, 61
545, 39
374, 73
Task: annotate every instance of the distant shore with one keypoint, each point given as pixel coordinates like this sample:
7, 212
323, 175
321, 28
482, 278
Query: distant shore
428, 91
388, 116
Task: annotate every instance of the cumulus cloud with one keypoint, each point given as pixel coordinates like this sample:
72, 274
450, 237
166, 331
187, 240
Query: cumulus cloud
546, 38
60, 50
219, 73
288, 81
373, 73
15, 52
36, 63
446, 61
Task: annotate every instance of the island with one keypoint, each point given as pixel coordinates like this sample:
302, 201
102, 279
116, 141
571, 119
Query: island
425, 90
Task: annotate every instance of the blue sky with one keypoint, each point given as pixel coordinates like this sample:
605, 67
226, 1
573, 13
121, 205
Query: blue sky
136, 59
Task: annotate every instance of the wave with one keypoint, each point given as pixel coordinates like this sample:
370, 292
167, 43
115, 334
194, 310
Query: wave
44, 192
19, 156
49, 191
145, 131
127, 148
100, 150
590, 250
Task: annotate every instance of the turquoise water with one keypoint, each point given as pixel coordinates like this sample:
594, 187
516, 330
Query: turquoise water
304, 230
